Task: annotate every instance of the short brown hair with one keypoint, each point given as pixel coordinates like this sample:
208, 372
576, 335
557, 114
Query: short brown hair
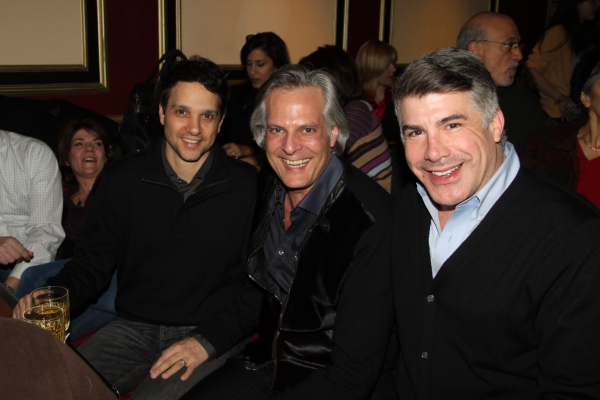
64, 146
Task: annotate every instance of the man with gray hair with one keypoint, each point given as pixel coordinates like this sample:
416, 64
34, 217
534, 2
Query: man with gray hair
319, 290
495, 40
495, 269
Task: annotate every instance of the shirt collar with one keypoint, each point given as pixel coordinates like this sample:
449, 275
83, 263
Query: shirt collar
173, 175
487, 196
315, 199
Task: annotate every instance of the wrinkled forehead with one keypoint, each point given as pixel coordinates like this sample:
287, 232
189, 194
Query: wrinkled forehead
502, 30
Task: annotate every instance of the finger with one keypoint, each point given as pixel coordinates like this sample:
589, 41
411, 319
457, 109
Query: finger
173, 369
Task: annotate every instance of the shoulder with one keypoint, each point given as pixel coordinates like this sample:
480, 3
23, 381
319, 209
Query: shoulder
550, 202
24, 144
358, 107
374, 199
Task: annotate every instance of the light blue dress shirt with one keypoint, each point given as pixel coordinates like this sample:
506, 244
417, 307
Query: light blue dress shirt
469, 213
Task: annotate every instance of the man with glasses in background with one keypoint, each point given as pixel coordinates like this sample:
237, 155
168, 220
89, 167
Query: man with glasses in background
495, 40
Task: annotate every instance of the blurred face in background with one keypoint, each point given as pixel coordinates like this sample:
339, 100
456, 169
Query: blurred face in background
498, 52
87, 156
387, 76
587, 9
259, 67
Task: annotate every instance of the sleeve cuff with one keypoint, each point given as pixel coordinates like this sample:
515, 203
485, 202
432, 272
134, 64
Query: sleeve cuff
212, 352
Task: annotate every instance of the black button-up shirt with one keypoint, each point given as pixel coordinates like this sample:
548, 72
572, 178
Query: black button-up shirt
186, 188
281, 246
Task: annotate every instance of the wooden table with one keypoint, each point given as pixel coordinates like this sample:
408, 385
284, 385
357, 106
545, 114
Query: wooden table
5, 310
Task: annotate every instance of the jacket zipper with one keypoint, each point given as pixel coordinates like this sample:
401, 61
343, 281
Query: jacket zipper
194, 192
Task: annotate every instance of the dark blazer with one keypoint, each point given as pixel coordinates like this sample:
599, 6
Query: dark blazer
179, 260
514, 313
329, 339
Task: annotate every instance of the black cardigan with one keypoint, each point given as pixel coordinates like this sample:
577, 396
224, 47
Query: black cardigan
178, 262
514, 313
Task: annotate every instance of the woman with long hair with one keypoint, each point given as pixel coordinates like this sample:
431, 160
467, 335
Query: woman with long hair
366, 147
553, 58
376, 63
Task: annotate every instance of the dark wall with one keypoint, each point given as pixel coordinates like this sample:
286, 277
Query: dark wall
132, 52
132, 43
530, 17
363, 23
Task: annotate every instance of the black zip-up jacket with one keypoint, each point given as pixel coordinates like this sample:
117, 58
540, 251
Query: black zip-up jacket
179, 261
329, 339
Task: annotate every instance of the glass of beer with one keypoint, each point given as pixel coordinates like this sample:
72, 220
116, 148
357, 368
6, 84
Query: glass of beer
55, 296
48, 317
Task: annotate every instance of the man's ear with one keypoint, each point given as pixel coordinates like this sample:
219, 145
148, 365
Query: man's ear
585, 100
221, 122
161, 114
475, 48
334, 135
497, 125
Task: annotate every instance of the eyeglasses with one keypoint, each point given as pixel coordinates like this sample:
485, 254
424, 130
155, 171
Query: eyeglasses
509, 47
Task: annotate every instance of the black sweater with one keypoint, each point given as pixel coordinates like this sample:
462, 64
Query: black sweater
178, 260
514, 313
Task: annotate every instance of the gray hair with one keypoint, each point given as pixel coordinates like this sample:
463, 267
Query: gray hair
445, 71
470, 32
296, 77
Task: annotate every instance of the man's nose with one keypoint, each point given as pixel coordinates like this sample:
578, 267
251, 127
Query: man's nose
436, 148
194, 126
290, 144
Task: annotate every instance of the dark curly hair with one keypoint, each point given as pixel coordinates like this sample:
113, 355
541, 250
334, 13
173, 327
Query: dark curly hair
194, 69
64, 146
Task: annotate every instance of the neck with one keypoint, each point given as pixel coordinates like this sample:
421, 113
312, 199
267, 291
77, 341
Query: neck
85, 184
184, 169
379, 93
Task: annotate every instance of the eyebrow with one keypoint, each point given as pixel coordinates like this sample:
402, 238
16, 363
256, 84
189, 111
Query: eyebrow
442, 121
187, 108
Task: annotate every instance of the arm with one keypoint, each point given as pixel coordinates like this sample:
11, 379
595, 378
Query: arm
363, 327
95, 257
546, 87
43, 232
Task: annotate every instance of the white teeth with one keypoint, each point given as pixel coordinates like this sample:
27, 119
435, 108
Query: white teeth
296, 163
445, 173
191, 141
89, 159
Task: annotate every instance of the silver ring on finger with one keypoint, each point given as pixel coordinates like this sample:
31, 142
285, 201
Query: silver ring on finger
183, 361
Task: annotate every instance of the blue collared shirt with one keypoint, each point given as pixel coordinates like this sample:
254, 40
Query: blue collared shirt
467, 214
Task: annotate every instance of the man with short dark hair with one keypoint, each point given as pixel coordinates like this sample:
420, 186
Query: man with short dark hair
495, 269
320, 290
174, 221
495, 40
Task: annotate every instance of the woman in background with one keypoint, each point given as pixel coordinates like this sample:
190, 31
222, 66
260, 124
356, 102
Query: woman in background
366, 147
570, 152
83, 151
261, 55
552, 60
376, 63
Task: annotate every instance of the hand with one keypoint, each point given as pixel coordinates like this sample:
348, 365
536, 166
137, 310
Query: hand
237, 150
562, 108
21, 306
172, 359
11, 250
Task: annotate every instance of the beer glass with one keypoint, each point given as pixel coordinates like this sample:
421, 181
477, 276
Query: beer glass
55, 296
48, 317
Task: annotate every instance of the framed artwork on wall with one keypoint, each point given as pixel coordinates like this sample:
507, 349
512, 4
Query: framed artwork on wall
53, 46
192, 26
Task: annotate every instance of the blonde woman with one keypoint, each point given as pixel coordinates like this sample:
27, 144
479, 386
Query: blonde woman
376, 63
